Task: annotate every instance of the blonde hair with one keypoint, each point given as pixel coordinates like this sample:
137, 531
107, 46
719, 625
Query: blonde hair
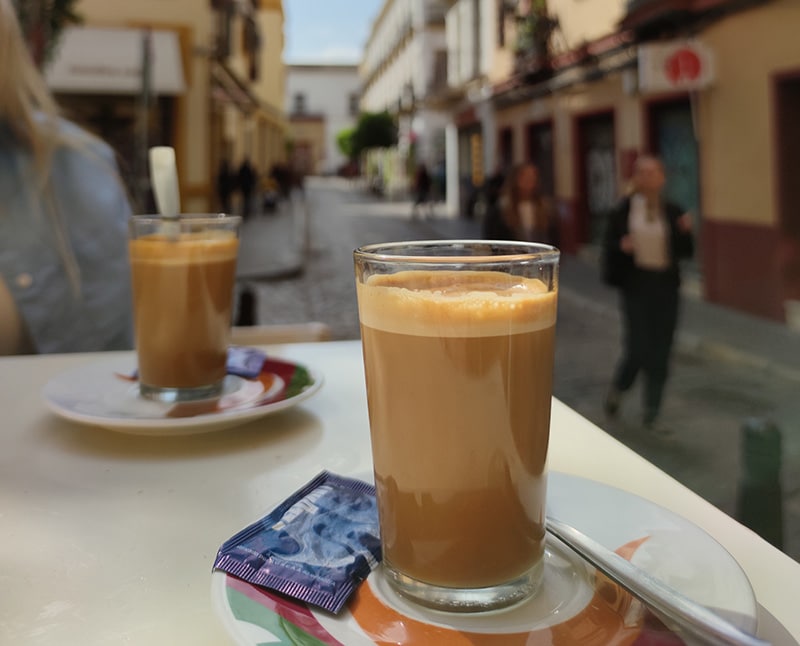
26, 106
30, 113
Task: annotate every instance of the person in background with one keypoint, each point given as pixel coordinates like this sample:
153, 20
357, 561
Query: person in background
422, 190
247, 180
64, 272
226, 184
521, 212
645, 239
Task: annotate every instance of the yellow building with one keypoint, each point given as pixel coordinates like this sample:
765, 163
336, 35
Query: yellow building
711, 86
214, 90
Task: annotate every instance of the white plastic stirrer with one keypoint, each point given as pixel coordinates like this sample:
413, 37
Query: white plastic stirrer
164, 180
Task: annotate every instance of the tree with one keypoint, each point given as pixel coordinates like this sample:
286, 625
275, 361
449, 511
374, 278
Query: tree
42, 22
373, 130
344, 140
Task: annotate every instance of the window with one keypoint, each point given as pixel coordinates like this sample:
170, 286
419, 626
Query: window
352, 103
501, 22
299, 103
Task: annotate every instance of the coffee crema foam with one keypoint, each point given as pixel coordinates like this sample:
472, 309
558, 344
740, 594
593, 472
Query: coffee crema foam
186, 248
455, 303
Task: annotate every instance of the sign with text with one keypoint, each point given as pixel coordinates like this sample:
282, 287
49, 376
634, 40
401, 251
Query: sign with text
92, 60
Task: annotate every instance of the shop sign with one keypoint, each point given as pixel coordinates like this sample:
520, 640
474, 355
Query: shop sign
675, 65
92, 60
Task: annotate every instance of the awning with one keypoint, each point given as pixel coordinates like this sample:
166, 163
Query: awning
226, 87
92, 60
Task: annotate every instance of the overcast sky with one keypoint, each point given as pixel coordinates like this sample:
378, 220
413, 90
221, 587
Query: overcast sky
327, 31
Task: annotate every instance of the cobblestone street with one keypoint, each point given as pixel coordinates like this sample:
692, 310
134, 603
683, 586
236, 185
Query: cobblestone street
707, 400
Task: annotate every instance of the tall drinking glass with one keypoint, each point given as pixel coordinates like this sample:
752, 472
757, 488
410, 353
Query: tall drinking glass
458, 353
183, 274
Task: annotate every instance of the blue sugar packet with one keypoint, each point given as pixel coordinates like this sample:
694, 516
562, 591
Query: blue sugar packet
245, 362
316, 546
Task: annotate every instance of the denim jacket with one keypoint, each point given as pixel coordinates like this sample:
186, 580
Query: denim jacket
93, 207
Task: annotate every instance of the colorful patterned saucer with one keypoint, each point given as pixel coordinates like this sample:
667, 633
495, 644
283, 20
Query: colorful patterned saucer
577, 605
104, 394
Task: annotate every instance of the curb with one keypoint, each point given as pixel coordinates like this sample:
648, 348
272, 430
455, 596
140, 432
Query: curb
693, 344
291, 223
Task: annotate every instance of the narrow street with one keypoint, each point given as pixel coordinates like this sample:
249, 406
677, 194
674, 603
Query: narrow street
707, 403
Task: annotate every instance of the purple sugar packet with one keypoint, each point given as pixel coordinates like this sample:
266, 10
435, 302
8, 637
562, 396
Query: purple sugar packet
245, 362
317, 546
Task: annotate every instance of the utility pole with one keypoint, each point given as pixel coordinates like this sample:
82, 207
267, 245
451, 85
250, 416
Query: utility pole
141, 171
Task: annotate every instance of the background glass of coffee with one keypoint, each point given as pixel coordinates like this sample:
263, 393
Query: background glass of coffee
183, 273
458, 353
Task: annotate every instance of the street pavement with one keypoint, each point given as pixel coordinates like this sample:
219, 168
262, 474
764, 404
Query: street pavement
729, 425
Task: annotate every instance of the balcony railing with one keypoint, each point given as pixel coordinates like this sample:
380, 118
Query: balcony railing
532, 42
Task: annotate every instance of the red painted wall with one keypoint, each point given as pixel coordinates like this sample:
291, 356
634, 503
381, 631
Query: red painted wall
742, 267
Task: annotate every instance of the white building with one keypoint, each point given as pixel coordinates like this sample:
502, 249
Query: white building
328, 94
405, 63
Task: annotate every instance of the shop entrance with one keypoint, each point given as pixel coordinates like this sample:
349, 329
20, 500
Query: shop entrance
672, 138
597, 175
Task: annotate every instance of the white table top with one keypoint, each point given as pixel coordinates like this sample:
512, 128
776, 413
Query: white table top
108, 538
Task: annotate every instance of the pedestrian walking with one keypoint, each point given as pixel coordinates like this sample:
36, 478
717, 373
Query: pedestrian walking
226, 184
64, 270
422, 190
246, 178
645, 239
521, 212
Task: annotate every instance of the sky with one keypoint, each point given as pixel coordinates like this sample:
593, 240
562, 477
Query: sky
327, 31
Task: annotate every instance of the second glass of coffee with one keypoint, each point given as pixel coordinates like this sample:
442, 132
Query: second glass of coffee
183, 274
458, 343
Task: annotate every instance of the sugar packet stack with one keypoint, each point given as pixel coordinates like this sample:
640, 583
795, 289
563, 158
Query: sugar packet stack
317, 546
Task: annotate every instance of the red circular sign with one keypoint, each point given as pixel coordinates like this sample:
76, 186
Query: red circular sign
684, 65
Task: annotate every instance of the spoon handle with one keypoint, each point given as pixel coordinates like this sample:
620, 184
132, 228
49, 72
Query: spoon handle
164, 180
669, 604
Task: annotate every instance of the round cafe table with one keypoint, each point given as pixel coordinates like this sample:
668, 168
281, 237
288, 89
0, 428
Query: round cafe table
109, 538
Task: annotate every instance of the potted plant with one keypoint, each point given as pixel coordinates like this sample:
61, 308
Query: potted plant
534, 26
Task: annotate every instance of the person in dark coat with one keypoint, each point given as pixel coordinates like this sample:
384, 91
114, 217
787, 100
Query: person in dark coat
521, 212
226, 184
422, 190
645, 239
247, 185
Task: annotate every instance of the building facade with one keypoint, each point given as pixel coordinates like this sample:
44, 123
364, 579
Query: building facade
321, 101
582, 88
213, 87
404, 64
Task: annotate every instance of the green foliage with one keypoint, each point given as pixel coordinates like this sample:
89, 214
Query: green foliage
374, 130
344, 140
42, 22
534, 28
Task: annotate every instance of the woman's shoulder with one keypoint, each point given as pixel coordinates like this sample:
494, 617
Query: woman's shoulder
77, 139
82, 161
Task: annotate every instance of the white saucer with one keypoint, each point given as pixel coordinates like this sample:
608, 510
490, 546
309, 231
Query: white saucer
571, 608
103, 394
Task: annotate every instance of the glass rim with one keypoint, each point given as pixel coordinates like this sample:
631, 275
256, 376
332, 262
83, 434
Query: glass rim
188, 217
517, 251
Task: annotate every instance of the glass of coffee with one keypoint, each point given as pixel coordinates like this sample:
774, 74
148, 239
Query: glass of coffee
183, 273
458, 340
